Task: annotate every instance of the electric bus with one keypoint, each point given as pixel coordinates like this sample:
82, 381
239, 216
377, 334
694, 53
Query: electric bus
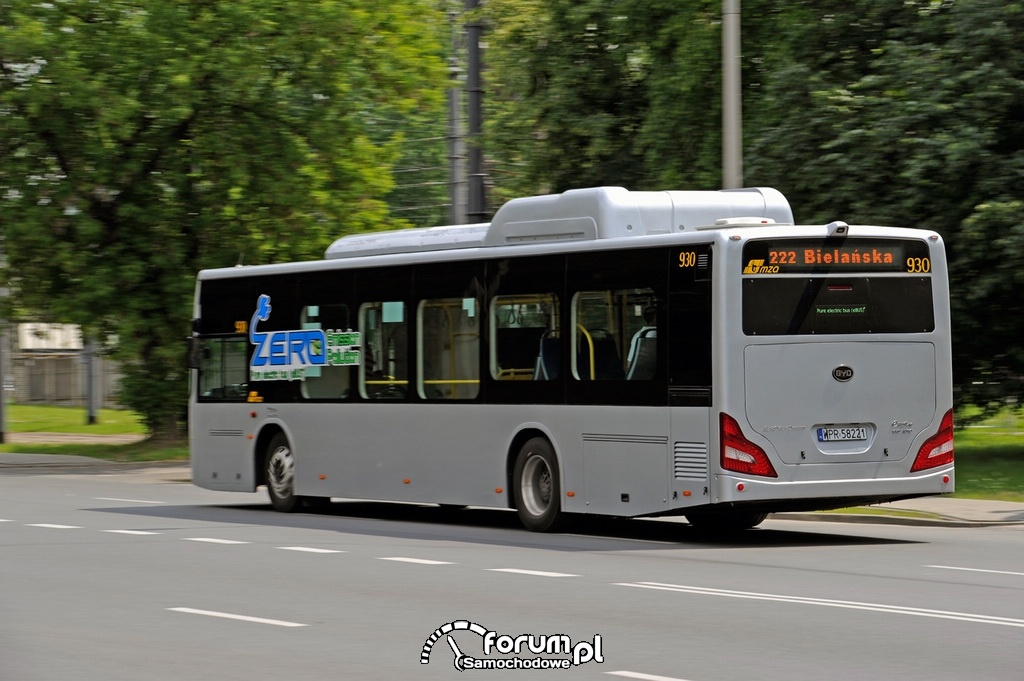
600, 351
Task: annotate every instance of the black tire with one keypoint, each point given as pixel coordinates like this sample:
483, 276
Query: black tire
279, 469
536, 486
725, 521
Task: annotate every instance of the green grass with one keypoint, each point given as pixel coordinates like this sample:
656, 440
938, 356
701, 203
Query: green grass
990, 458
35, 419
139, 452
72, 420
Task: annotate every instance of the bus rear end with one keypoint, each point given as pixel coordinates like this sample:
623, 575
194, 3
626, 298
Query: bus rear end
837, 386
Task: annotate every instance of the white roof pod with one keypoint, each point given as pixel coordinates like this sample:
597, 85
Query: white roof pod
579, 215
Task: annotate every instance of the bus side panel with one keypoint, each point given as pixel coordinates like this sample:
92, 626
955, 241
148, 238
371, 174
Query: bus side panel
626, 460
402, 452
220, 453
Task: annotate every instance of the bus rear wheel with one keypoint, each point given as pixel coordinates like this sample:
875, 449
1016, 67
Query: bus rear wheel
536, 486
279, 467
725, 521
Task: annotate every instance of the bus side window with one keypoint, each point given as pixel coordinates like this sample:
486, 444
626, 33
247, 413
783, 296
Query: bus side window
328, 382
615, 335
384, 372
525, 337
449, 351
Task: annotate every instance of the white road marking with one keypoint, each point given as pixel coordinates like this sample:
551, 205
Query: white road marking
308, 549
418, 561
137, 532
241, 618
851, 605
211, 540
55, 527
644, 677
130, 501
535, 573
5, 520
967, 569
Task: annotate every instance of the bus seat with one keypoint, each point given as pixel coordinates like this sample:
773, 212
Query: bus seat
607, 365
645, 357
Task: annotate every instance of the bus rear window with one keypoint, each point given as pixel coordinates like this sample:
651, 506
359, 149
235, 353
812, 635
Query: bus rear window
817, 305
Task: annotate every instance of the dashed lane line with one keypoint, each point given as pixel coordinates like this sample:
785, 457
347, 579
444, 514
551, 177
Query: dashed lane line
241, 618
418, 561
53, 526
643, 677
211, 540
831, 603
535, 573
309, 549
967, 569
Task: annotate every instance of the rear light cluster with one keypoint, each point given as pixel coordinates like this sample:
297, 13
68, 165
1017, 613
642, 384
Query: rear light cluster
938, 449
740, 454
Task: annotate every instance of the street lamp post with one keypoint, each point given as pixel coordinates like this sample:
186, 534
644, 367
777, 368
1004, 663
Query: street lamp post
732, 103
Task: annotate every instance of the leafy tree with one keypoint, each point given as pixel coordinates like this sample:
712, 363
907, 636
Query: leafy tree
988, 354
905, 113
142, 140
566, 96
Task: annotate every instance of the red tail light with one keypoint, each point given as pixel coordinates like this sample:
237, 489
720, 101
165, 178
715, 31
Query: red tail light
740, 454
938, 449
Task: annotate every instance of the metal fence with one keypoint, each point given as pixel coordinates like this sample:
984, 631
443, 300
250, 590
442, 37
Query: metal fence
60, 378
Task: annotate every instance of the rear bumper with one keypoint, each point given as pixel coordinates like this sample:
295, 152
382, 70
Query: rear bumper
775, 496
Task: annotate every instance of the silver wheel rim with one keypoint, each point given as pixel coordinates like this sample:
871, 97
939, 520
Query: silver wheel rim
281, 472
536, 485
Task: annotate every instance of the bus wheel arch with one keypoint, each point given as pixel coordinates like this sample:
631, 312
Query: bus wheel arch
535, 482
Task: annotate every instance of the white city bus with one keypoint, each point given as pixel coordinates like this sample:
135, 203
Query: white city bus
599, 351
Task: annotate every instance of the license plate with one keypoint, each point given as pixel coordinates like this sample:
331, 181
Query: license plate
842, 434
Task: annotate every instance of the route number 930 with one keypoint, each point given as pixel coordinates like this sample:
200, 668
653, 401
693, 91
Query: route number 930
687, 259
919, 265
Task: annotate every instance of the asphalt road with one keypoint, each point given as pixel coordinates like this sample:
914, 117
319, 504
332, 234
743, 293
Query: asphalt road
109, 574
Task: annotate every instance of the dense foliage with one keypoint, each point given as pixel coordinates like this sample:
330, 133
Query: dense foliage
906, 113
142, 140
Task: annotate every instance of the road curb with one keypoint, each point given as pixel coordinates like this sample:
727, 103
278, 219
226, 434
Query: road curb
867, 519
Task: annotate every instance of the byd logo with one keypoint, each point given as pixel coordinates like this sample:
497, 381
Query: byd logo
572, 654
842, 373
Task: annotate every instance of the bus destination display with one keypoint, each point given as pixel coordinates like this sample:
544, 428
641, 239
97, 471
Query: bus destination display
864, 255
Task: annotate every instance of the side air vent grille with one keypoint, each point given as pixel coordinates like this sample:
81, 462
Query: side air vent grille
690, 460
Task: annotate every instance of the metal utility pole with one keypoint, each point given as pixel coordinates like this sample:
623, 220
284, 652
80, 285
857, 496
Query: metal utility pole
732, 102
3, 382
477, 209
456, 136
90, 382
4, 361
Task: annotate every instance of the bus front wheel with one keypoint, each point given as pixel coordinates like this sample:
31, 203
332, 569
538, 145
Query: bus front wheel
279, 467
536, 486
